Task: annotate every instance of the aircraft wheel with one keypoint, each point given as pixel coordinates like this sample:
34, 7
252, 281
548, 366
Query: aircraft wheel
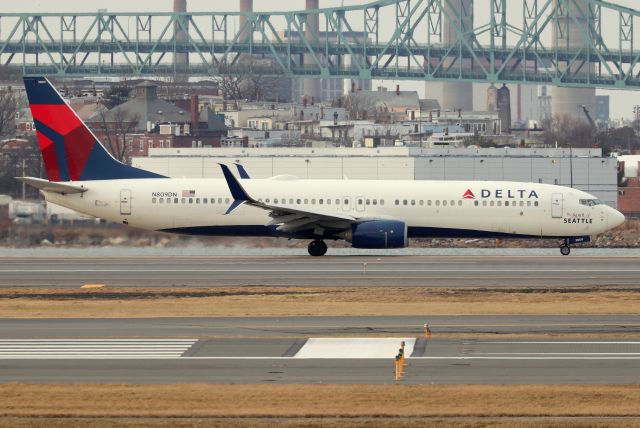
317, 248
565, 250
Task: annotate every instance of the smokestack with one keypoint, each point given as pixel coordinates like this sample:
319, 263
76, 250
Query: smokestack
245, 6
195, 114
311, 87
180, 59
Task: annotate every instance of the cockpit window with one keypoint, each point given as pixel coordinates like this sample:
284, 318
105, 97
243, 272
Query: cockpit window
590, 202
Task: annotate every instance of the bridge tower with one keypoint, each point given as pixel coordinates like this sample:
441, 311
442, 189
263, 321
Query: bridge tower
311, 87
568, 35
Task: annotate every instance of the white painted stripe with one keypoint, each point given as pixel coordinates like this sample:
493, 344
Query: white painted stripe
101, 340
354, 348
556, 353
562, 343
84, 357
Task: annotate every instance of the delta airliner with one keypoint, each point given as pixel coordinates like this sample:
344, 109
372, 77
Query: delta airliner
369, 214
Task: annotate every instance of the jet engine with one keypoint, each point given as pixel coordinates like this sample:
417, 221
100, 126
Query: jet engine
378, 234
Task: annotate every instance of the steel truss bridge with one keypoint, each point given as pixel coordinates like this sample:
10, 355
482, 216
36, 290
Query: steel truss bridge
580, 43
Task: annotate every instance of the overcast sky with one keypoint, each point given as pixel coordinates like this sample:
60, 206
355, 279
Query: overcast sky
622, 102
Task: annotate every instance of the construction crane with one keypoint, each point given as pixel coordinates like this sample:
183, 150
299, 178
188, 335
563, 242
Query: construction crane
589, 118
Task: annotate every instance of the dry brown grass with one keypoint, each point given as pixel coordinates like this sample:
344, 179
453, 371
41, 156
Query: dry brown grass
329, 422
319, 401
290, 301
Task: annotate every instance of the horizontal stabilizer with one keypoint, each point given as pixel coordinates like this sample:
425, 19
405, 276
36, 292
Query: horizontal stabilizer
52, 186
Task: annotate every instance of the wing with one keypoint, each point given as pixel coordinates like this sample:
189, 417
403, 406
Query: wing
287, 219
52, 186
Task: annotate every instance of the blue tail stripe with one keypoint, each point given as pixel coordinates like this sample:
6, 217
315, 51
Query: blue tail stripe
61, 152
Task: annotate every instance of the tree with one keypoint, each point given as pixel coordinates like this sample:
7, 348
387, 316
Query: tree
114, 126
8, 109
250, 80
568, 130
116, 95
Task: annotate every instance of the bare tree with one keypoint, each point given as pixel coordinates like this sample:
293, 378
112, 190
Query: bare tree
250, 80
360, 106
114, 126
568, 130
8, 109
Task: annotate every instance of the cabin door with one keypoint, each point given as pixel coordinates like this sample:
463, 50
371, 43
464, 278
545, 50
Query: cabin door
556, 205
125, 202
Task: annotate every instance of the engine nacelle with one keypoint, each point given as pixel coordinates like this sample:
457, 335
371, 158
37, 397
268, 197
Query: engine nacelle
378, 234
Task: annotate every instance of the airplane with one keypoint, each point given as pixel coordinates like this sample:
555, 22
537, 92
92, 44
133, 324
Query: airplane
369, 214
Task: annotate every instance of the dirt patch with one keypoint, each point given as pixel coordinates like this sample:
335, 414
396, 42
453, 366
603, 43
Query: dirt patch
320, 301
317, 401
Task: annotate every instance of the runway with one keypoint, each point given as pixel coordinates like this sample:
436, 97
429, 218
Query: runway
450, 271
282, 350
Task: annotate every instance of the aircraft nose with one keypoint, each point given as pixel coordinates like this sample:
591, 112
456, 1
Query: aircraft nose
616, 218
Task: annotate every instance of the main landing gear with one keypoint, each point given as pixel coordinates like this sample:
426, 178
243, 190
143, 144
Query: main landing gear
565, 250
317, 248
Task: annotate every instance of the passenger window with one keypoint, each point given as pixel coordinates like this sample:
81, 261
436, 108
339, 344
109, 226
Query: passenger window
290, 201
381, 201
453, 203
475, 203
484, 203
368, 202
321, 201
161, 200
499, 203
359, 201
421, 202
444, 203
506, 203
328, 201
528, 203
375, 202
205, 200
438, 203
337, 201
413, 202
535, 203
219, 200
168, 200
153, 200
346, 201
197, 200
459, 203
275, 201
405, 202
522, 203
491, 203
298, 201
190, 200
306, 201
429, 202
226, 200
313, 201
175, 201
397, 202
184, 200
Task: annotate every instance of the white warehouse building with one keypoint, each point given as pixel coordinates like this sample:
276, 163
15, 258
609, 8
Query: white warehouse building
585, 169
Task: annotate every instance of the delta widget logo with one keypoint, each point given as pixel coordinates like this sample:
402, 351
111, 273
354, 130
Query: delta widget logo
468, 195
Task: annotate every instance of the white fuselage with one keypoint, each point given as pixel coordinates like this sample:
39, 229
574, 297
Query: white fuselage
429, 208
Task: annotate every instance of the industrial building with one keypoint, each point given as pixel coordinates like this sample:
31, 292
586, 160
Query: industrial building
584, 169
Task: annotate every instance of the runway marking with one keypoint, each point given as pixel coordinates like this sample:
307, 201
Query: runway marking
354, 348
93, 348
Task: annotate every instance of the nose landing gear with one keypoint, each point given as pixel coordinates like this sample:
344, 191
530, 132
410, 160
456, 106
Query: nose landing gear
565, 248
317, 248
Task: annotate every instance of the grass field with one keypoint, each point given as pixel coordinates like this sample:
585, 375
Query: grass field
317, 400
320, 301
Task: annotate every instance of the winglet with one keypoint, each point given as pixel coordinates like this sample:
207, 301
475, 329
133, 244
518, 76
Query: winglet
240, 196
242, 171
